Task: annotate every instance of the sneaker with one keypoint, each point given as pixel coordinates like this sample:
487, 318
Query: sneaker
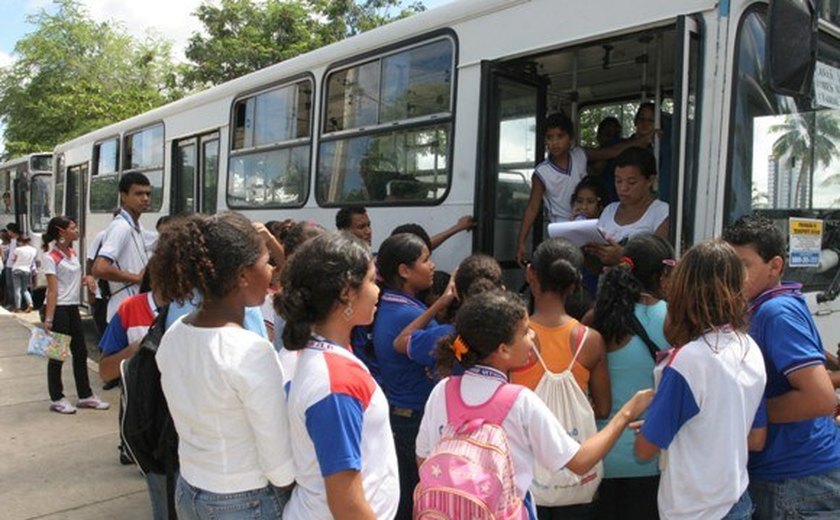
125, 456
93, 402
111, 384
62, 406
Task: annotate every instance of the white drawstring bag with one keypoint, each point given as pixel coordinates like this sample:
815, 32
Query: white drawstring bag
564, 397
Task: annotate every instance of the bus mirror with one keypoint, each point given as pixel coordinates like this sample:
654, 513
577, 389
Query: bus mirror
791, 46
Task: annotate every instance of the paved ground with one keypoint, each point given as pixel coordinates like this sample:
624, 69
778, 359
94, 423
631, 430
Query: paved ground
54, 466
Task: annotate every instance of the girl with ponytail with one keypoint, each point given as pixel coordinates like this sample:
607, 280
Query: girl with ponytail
630, 315
223, 384
329, 287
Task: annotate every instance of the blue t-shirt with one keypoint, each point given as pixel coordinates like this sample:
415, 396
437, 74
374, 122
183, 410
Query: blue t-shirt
253, 316
408, 378
360, 336
631, 370
789, 340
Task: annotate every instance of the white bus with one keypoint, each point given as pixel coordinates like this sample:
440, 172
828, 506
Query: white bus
440, 115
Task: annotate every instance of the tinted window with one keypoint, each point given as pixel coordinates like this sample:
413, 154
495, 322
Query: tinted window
41, 163
269, 179
39, 209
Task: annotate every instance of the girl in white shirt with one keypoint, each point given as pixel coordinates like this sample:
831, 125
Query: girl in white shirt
493, 337
22, 261
222, 383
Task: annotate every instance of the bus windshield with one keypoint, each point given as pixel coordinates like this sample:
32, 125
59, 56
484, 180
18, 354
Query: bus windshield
785, 151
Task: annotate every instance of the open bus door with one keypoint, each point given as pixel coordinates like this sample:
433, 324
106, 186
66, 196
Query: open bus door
75, 206
509, 146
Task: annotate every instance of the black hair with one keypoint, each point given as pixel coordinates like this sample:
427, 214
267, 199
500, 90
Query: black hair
345, 216
203, 253
298, 233
642, 107
759, 232
477, 274
609, 121
483, 323
313, 282
557, 263
24, 239
561, 121
131, 179
54, 228
13, 227
591, 182
162, 221
623, 285
404, 248
415, 229
641, 158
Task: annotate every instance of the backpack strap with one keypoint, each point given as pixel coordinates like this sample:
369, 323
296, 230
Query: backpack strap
493, 411
640, 331
581, 333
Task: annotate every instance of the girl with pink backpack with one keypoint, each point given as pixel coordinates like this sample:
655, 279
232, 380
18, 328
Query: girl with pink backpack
481, 436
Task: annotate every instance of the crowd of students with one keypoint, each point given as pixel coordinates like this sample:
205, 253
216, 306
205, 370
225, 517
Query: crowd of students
309, 378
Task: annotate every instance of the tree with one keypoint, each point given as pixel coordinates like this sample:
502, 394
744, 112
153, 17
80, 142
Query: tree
72, 75
242, 36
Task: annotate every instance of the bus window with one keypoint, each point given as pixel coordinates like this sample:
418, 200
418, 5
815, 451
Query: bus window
387, 128
105, 176
8, 204
271, 148
58, 196
39, 209
785, 153
144, 154
41, 163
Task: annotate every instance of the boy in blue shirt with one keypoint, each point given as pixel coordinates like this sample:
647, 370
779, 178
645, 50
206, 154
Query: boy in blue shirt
798, 472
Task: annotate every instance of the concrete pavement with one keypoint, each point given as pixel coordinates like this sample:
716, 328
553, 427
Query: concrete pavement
56, 466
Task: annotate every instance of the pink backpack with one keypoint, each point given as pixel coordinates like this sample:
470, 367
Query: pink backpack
469, 474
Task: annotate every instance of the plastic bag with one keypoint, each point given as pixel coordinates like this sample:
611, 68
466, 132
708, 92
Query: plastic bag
48, 344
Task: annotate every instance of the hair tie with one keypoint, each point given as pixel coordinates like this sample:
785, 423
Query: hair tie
459, 348
626, 260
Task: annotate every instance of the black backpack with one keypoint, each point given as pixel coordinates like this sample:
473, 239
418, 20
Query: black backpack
146, 426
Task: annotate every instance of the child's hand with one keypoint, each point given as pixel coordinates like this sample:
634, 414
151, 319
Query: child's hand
636, 426
638, 404
520, 255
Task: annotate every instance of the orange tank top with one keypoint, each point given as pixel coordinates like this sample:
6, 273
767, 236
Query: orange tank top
555, 349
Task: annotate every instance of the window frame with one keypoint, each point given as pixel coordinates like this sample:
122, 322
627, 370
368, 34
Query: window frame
232, 203
430, 120
50, 197
94, 171
123, 156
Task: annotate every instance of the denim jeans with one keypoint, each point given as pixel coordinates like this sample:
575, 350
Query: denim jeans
156, 484
21, 286
193, 503
742, 510
815, 496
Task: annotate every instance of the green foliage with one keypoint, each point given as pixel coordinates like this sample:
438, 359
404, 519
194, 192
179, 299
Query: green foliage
73, 75
242, 36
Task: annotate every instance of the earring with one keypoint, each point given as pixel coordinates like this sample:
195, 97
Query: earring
61, 240
348, 311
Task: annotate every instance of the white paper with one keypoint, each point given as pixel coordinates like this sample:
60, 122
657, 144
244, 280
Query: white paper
579, 232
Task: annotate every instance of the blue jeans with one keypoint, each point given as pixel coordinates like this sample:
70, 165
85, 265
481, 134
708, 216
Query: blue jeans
21, 286
815, 496
742, 510
193, 503
156, 484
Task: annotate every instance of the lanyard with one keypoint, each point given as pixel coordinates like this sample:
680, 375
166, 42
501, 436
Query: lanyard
488, 372
321, 343
125, 216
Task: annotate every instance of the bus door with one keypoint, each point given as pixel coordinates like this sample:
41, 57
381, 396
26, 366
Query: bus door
196, 180
510, 145
76, 199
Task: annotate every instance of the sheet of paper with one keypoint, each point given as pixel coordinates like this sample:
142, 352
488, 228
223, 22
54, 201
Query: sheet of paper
579, 232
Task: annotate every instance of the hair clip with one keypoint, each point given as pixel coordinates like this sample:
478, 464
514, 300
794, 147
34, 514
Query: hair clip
459, 347
626, 260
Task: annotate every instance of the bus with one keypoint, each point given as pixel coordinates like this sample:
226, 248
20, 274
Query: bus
440, 115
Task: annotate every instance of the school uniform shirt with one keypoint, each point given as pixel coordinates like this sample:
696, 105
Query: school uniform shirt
653, 217
224, 389
252, 321
408, 378
68, 274
129, 324
784, 330
560, 184
703, 410
10, 251
534, 433
124, 244
339, 421
24, 258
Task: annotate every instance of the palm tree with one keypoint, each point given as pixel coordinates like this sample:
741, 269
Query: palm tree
808, 139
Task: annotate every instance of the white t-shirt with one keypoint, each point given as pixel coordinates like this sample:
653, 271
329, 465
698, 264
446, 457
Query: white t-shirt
655, 215
533, 432
124, 245
68, 273
339, 421
10, 252
705, 405
24, 258
560, 184
224, 388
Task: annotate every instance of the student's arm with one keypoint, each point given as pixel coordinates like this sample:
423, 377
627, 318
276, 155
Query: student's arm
672, 407
346, 497
756, 439
275, 248
117, 239
608, 254
599, 375
401, 341
531, 211
104, 268
811, 396
596, 447
644, 449
835, 378
464, 223
109, 366
664, 229
611, 152
52, 299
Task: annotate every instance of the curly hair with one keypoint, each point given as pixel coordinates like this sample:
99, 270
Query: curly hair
298, 233
759, 232
484, 322
314, 280
203, 253
622, 286
706, 292
476, 274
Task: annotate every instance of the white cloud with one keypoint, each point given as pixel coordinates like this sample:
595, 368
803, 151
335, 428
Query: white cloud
171, 19
6, 59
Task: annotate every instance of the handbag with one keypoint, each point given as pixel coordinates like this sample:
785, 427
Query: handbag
52, 345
